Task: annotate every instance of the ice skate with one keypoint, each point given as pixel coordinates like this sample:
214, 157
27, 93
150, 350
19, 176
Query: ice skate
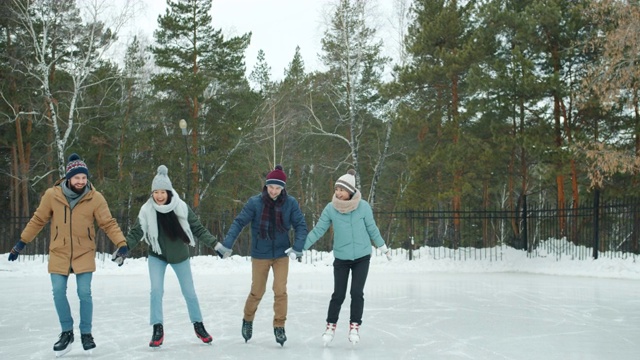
63, 345
158, 336
281, 337
201, 333
329, 333
87, 343
247, 329
354, 333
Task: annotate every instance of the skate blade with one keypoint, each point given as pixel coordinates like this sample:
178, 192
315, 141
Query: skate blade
61, 353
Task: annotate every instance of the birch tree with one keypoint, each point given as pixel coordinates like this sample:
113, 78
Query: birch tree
353, 55
65, 36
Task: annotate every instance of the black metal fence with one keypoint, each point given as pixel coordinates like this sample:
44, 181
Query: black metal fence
608, 229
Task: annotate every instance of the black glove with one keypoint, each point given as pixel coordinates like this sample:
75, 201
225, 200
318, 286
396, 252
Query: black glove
120, 254
13, 255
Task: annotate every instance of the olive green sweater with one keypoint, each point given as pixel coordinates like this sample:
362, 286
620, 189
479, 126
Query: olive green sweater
173, 250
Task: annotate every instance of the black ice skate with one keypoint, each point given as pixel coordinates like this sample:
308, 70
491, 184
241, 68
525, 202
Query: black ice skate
201, 333
158, 336
63, 345
87, 341
247, 329
280, 335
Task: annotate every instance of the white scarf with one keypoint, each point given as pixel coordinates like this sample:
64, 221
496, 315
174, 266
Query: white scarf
149, 220
345, 206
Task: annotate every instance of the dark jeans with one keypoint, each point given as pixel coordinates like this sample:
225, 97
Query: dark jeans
359, 270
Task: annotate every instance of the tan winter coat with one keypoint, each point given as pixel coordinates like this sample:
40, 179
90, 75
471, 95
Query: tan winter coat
72, 246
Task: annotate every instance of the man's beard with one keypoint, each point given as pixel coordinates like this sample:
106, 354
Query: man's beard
76, 190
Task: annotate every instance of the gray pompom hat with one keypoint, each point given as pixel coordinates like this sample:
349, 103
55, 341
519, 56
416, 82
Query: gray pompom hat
161, 181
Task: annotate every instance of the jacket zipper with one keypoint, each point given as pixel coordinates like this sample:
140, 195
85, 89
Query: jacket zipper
70, 239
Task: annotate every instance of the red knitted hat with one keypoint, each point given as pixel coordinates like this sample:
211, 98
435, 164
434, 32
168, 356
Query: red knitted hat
277, 177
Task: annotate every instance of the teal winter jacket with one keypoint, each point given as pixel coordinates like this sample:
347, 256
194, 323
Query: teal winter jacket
353, 231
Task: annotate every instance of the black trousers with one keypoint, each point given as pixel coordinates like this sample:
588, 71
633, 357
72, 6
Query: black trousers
359, 269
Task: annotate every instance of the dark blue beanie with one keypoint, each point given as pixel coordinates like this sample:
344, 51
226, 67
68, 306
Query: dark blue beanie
76, 166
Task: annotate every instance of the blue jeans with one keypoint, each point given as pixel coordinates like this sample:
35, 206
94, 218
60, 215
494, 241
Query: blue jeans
157, 269
59, 284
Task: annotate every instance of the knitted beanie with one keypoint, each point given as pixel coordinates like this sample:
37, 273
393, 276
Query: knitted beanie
161, 181
348, 181
75, 166
277, 177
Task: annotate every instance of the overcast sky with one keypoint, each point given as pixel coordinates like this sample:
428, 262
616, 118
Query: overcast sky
277, 27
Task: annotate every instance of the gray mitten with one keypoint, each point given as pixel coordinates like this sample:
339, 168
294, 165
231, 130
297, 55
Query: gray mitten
293, 255
386, 251
222, 251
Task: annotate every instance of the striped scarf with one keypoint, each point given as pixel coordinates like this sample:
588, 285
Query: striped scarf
271, 217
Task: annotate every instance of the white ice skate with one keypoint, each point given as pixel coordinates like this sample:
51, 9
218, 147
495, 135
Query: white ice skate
329, 333
354, 333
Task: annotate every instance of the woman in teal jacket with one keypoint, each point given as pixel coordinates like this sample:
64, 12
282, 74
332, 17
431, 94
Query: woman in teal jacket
169, 226
354, 229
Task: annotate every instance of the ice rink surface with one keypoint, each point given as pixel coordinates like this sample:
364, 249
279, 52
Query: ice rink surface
411, 312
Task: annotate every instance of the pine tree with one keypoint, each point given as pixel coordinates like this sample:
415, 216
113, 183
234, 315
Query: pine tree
441, 53
201, 73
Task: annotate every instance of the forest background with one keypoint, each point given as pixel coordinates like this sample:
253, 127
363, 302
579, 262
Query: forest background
486, 103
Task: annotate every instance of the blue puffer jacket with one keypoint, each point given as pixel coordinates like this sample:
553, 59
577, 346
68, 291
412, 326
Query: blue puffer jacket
352, 231
262, 248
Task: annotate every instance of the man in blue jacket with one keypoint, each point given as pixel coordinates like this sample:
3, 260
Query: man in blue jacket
271, 214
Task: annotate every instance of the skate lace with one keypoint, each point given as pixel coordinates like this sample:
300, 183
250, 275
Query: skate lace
354, 328
158, 332
247, 327
199, 327
331, 328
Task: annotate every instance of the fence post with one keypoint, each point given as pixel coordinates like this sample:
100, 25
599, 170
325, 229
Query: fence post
524, 223
596, 220
411, 249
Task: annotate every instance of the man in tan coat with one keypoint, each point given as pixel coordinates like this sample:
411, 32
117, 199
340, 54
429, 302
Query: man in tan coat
72, 206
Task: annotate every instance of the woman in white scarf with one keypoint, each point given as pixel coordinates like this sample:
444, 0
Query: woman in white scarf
168, 226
